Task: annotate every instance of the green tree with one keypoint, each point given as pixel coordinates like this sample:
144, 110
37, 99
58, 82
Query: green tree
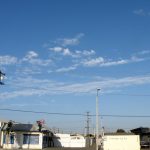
120, 131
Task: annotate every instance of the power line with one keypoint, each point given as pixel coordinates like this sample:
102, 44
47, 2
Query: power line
124, 94
71, 114
126, 116
40, 112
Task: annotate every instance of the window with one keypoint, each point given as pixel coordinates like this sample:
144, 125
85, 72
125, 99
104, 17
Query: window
30, 139
4, 139
11, 139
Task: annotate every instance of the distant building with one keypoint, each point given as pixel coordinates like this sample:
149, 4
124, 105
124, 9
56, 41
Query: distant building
143, 132
68, 140
120, 142
25, 136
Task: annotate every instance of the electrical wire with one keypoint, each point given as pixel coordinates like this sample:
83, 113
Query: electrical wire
40, 112
71, 114
124, 94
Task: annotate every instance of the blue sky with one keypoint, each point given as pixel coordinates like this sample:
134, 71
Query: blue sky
57, 53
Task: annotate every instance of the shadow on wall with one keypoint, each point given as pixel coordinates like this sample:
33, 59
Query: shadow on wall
56, 141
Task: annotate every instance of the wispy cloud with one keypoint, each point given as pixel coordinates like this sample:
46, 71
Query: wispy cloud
30, 87
139, 12
64, 51
26, 103
106, 84
114, 63
30, 70
143, 52
57, 49
31, 55
8, 60
86, 58
93, 62
66, 69
70, 41
101, 62
72, 53
79, 53
32, 58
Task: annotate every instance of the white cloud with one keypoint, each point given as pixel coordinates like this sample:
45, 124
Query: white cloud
73, 41
93, 62
80, 53
56, 49
144, 52
90, 52
66, 51
61, 50
114, 63
19, 93
105, 84
28, 70
74, 54
32, 58
136, 59
8, 60
40, 62
31, 54
139, 12
66, 69
70, 41
30, 86
101, 62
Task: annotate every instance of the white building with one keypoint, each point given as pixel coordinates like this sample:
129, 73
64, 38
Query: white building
68, 140
2, 122
121, 142
25, 136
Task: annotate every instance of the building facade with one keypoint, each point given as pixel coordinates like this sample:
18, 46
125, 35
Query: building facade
25, 136
68, 140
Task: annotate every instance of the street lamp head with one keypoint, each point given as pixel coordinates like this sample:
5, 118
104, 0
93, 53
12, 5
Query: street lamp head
97, 90
1, 77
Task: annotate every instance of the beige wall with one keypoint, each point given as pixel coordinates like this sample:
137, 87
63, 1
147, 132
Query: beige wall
121, 142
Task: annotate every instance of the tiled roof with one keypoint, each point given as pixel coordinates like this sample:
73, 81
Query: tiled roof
141, 130
25, 128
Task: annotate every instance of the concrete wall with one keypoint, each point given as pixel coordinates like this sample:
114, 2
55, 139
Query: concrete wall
66, 140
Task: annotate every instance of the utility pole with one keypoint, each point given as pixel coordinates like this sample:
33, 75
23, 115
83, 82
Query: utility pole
87, 130
87, 124
97, 119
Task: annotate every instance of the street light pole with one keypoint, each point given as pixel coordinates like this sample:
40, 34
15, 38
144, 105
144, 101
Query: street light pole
97, 119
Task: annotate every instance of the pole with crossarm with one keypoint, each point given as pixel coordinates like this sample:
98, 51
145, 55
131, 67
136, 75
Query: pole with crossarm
97, 118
